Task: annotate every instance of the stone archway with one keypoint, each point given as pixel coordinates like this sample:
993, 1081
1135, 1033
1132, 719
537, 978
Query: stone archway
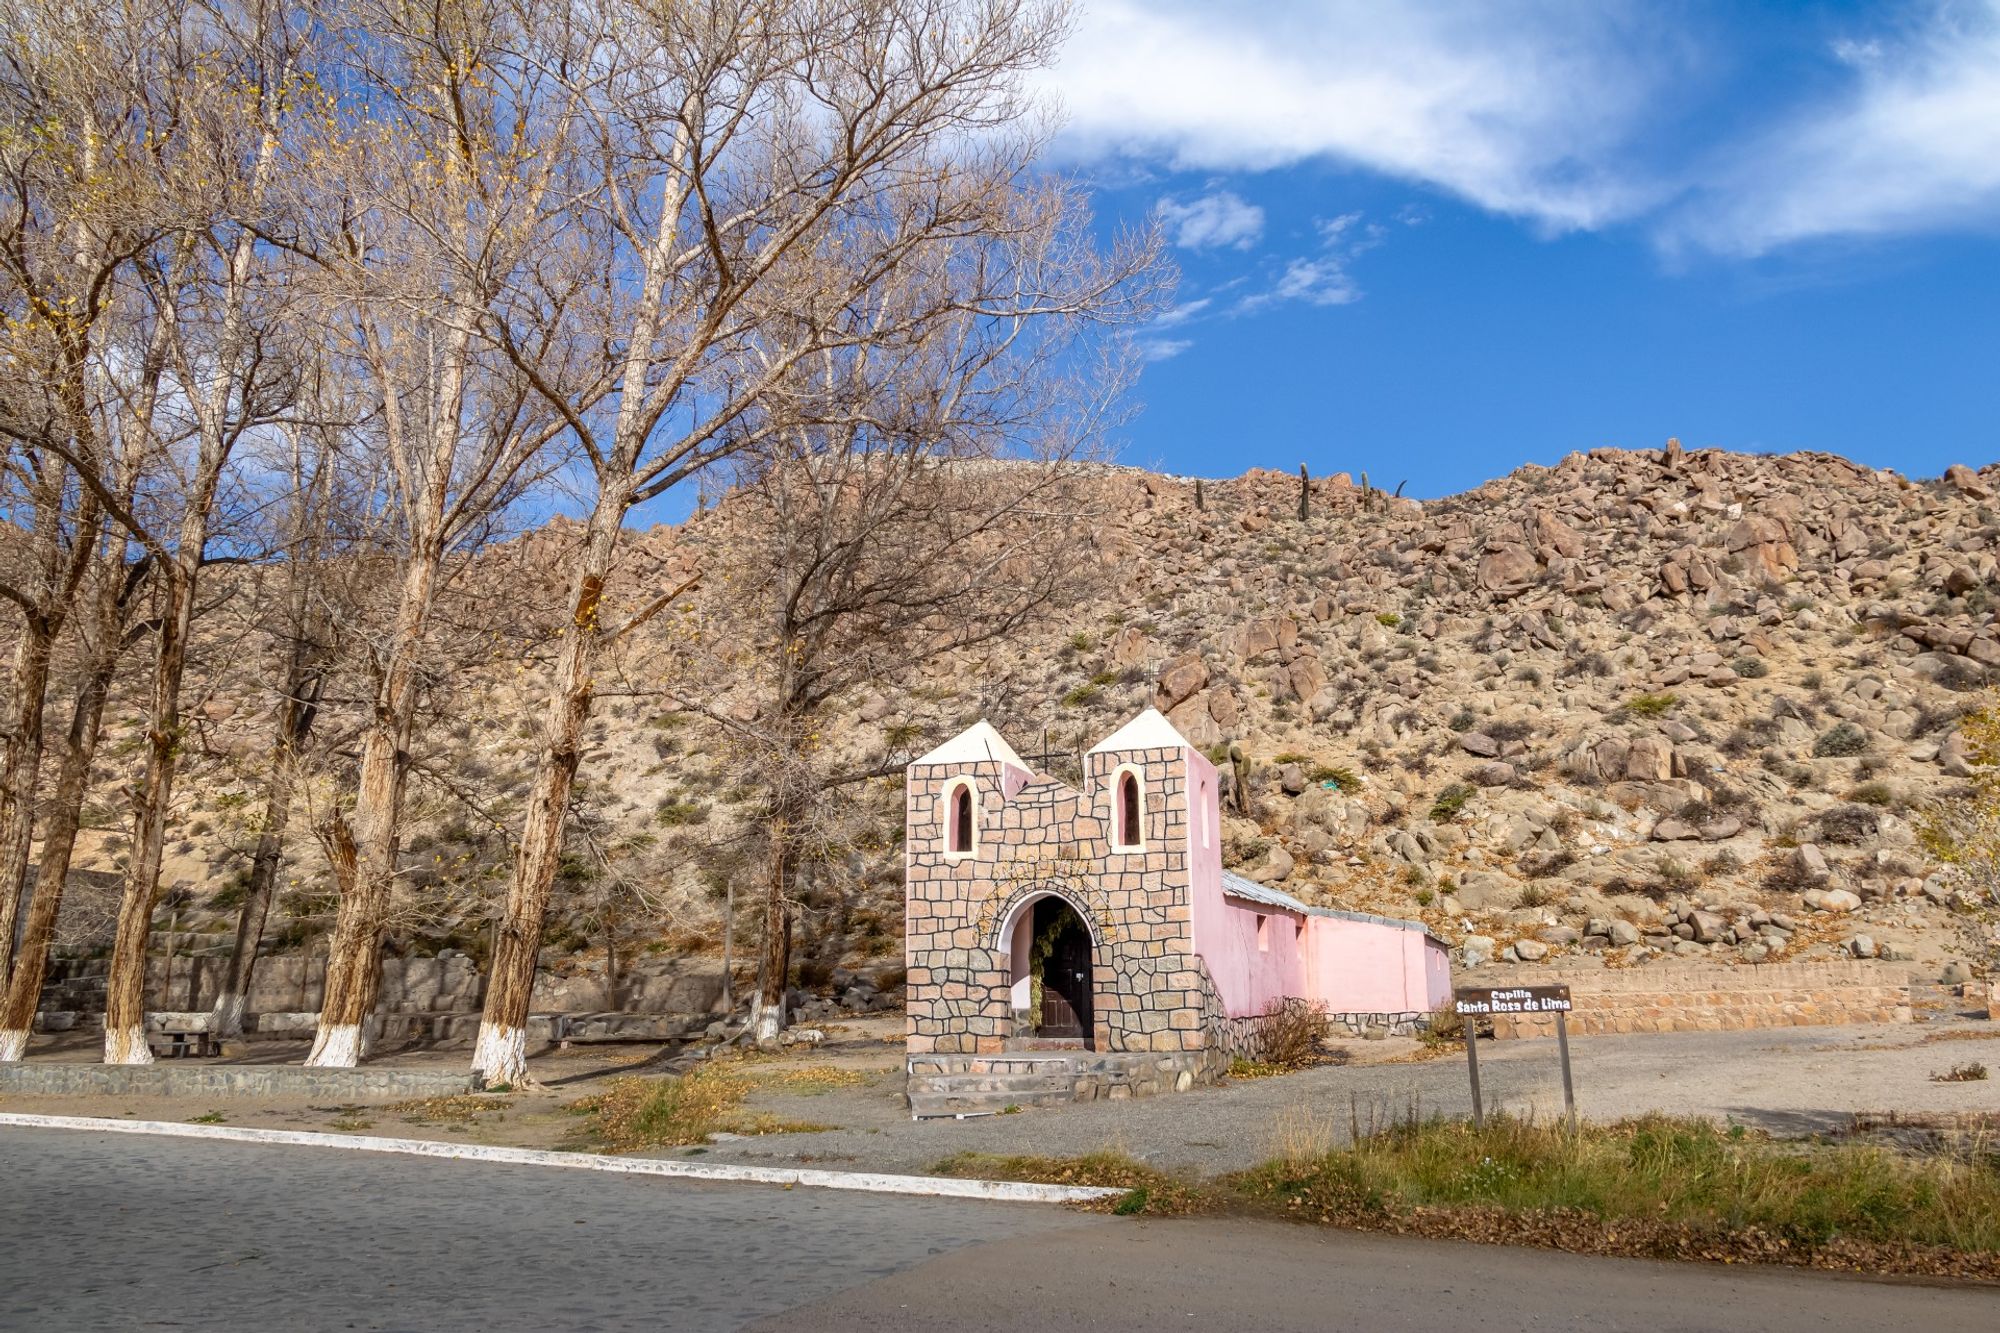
1051, 953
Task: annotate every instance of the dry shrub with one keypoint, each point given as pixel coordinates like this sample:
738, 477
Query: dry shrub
1290, 1034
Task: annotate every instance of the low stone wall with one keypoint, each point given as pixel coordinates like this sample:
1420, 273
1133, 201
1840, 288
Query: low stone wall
173, 1080
448, 983
1660, 999
1396, 1025
993, 1082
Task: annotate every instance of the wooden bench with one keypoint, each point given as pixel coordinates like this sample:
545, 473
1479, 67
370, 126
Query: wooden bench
178, 1036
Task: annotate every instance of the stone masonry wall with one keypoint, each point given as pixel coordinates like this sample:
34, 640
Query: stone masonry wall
1777, 995
1148, 990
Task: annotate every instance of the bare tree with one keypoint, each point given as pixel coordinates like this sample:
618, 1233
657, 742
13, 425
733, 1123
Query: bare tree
236, 74
308, 491
445, 160
106, 633
76, 207
918, 499
767, 169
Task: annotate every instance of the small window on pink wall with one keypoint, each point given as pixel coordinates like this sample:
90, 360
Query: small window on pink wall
1263, 933
959, 831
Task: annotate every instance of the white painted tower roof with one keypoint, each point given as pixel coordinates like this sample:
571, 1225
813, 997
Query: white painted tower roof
1148, 731
977, 744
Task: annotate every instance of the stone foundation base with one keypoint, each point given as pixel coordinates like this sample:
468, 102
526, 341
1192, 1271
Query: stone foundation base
962, 1085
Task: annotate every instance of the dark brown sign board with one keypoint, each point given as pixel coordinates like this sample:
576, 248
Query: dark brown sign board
1478, 1001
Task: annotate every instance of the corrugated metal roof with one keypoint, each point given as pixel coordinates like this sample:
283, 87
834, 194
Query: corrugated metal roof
1250, 890
1239, 887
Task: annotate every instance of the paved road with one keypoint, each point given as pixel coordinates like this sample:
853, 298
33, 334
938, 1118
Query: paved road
118, 1232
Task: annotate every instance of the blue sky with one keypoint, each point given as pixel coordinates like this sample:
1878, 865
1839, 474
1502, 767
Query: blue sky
1435, 241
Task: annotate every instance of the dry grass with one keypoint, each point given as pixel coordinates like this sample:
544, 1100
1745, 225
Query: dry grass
633, 1114
456, 1112
1146, 1189
1971, 1071
1657, 1187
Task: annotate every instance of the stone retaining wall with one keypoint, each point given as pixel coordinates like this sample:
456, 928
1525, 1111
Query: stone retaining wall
35, 1078
1661, 999
1397, 1025
1094, 1075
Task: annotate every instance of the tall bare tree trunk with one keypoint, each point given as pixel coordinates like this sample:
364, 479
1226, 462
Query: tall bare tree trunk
295, 720
24, 985
125, 996
18, 773
500, 1056
774, 965
354, 954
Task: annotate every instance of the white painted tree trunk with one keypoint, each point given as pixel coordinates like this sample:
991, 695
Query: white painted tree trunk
767, 1020
13, 1044
501, 1055
226, 1019
335, 1046
127, 1046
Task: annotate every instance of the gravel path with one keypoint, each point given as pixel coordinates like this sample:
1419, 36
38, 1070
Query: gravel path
1792, 1080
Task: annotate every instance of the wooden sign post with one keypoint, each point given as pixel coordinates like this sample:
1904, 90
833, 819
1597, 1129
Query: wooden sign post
1484, 1001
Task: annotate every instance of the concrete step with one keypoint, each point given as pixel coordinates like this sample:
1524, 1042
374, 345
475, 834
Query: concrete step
931, 1105
974, 1083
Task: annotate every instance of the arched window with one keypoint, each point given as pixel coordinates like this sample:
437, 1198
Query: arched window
1128, 811
961, 832
1202, 820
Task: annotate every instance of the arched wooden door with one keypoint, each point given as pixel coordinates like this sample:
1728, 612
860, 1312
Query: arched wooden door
1066, 971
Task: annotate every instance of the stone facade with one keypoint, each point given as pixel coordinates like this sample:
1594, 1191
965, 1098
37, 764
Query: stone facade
1038, 837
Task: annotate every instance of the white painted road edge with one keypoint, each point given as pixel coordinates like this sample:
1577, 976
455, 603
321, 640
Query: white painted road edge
1006, 1191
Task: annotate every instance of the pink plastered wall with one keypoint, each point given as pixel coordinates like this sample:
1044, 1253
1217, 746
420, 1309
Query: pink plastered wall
1366, 967
1247, 978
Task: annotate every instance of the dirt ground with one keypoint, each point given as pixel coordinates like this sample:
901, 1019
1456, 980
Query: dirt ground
1789, 1081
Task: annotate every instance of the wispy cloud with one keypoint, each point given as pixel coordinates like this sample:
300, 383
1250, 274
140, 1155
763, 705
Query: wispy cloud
1325, 277
1220, 218
1567, 114
1912, 143
1519, 107
1162, 349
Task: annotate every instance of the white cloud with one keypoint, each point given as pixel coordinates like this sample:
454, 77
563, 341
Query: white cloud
1568, 114
1182, 313
1163, 349
1221, 218
1912, 144
1524, 108
1322, 281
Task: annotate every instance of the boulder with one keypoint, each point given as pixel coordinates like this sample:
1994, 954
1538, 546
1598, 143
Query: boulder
1649, 759
1966, 482
1179, 680
1480, 744
1505, 571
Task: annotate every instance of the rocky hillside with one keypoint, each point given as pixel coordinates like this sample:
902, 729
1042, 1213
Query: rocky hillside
1642, 703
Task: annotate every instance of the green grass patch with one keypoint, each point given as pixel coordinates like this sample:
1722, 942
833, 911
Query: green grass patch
1652, 705
1659, 1187
1677, 1182
1449, 802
